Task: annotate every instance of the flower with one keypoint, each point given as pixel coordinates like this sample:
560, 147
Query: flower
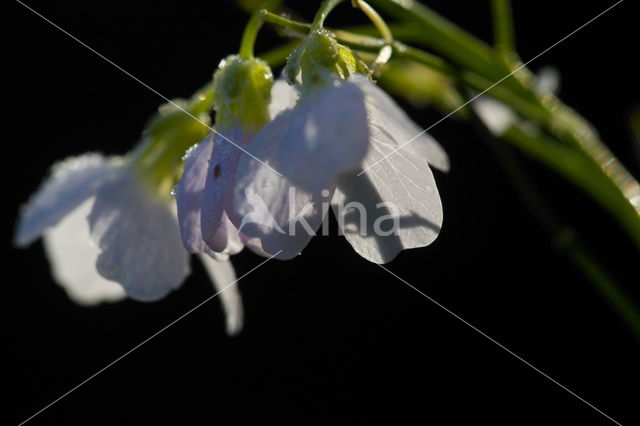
341, 123
242, 90
108, 220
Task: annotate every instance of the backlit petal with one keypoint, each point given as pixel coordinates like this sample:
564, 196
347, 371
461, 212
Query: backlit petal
139, 238
385, 115
323, 135
72, 181
283, 96
188, 194
220, 173
262, 200
401, 207
73, 256
223, 277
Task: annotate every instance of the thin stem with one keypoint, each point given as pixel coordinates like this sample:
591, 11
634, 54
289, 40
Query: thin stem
503, 33
321, 15
375, 19
251, 30
364, 42
296, 26
385, 52
565, 239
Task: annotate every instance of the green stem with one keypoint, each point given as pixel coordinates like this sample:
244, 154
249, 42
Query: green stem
454, 43
321, 15
582, 158
566, 241
503, 33
251, 30
376, 20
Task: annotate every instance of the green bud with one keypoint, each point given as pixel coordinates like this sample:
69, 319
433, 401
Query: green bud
170, 132
320, 58
242, 91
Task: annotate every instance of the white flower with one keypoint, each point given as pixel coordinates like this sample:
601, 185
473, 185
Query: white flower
102, 224
320, 145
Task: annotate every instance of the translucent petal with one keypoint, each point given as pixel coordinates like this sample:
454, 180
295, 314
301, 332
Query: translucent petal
227, 239
139, 238
188, 195
220, 173
72, 181
547, 81
261, 199
412, 213
283, 97
223, 277
73, 255
494, 114
384, 113
323, 135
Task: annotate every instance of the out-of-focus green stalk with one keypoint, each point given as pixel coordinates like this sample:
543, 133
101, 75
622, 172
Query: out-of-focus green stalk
565, 240
325, 9
617, 191
582, 158
251, 30
452, 42
503, 33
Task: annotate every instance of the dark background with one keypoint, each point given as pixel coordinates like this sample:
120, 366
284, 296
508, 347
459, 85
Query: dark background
329, 338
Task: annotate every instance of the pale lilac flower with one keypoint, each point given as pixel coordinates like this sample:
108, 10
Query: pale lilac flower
107, 232
319, 146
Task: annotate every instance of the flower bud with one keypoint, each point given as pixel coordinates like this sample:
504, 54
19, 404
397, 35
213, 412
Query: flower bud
320, 58
242, 91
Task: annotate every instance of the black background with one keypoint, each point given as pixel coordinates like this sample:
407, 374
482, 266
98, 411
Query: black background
329, 337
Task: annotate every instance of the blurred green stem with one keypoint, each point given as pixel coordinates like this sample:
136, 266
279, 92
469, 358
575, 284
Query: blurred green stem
564, 238
503, 33
574, 149
251, 30
608, 182
321, 15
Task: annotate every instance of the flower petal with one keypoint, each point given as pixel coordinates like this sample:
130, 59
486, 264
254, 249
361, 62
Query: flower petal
139, 238
223, 277
73, 256
385, 115
262, 200
72, 181
494, 114
283, 96
323, 135
188, 194
547, 81
220, 172
399, 203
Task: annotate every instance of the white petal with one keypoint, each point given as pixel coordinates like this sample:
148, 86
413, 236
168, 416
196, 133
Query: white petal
494, 114
73, 256
227, 239
188, 194
283, 96
139, 238
223, 277
261, 200
220, 173
387, 116
72, 181
404, 181
324, 134
547, 81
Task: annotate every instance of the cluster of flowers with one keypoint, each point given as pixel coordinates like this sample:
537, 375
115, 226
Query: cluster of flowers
110, 225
